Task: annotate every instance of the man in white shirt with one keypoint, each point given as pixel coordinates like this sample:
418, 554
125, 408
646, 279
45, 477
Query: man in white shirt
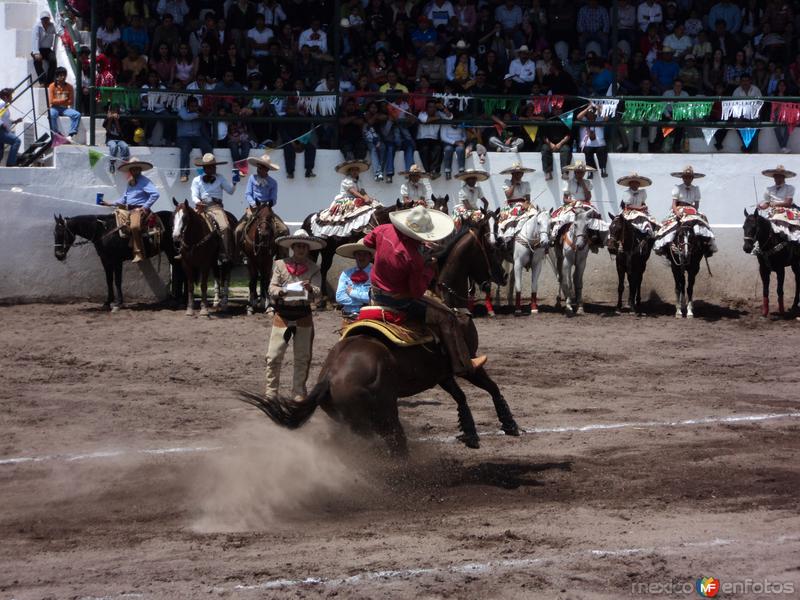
522, 70
509, 15
626, 22
440, 12
314, 37
207, 191
674, 141
43, 39
746, 89
7, 135
258, 37
647, 13
593, 141
679, 41
429, 145
177, 8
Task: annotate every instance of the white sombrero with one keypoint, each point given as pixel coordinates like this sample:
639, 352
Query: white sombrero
422, 224
414, 170
208, 160
349, 250
263, 161
688, 171
345, 166
779, 171
135, 162
516, 168
301, 237
476, 173
628, 179
579, 165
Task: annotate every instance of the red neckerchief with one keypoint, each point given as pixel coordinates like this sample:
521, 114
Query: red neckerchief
359, 276
296, 269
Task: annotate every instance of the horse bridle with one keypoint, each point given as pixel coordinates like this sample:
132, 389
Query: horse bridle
450, 290
186, 248
64, 246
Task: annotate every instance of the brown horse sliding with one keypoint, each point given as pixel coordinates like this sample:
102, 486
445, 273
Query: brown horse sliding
363, 376
258, 245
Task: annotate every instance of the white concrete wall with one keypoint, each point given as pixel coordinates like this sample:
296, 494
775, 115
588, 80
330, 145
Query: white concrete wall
30, 196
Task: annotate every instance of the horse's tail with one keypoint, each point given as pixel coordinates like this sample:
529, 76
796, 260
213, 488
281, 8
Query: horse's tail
288, 413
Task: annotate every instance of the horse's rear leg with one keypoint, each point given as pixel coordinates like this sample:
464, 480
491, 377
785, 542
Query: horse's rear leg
189, 274
118, 286
469, 434
780, 275
536, 270
796, 305
480, 378
253, 286
204, 293
109, 269
620, 284
488, 304
393, 434
691, 275
680, 286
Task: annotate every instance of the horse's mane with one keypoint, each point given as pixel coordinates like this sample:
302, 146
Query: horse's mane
444, 254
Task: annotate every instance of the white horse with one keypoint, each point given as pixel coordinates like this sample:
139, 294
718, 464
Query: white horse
530, 247
569, 260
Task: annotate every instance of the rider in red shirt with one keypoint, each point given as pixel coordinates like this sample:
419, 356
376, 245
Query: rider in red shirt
401, 275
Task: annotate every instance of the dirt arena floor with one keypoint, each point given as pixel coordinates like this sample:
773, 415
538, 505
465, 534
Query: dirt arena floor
656, 452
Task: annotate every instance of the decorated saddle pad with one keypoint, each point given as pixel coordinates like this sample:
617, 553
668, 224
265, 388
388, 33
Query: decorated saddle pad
152, 227
512, 218
343, 217
464, 213
405, 335
565, 215
641, 220
786, 223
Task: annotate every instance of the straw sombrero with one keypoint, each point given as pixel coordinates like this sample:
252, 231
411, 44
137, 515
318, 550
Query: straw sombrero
476, 173
779, 171
414, 170
688, 171
579, 165
263, 161
349, 250
423, 224
628, 179
301, 237
135, 162
345, 166
208, 160
516, 167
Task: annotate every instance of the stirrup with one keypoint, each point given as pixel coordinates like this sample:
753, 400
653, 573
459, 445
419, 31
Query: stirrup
479, 361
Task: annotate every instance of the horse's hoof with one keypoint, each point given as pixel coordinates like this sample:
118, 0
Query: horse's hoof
203, 312
115, 309
534, 310
579, 311
511, 429
490, 314
250, 311
678, 315
189, 313
470, 441
689, 316
517, 312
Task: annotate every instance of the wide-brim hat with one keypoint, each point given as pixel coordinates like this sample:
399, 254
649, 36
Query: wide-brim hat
667, 50
208, 160
345, 166
688, 171
135, 162
628, 179
349, 250
461, 45
523, 48
423, 224
516, 168
301, 236
780, 170
414, 170
579, 165
476, 173
263, 161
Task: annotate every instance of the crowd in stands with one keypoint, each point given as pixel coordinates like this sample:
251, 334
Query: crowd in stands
399, 51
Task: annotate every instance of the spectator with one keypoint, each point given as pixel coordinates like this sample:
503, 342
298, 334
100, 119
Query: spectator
115, 138
494, 69
135, 63
561, 24
781, 131
156, 130
167, 33
374, 122
679, 41
648, 13
392, 84
729, 13
557, 81
722, 39
164, 64
307, 67
544, 64
61, 96
135, 36
273, 13
593, 141
379, 66
462, 62
177, 9
734, 72
593, 25
702, 49
664, 70
431, 66
239, 134
440, 12
423, 34
206, 33
509, 15
351, 132
185, 66
690, 76
396, 134
108, 33
674, 141
42, 49
191, 133
240, 17
454, 139
314, 37
522, 71
508, 139
258, 38
626, 22
296, 138
557, 139
428, 142
207, 61
466, 15
601, 77
7, 136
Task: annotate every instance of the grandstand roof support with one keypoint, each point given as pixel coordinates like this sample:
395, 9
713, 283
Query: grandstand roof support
336, 22
614, 40
92, 73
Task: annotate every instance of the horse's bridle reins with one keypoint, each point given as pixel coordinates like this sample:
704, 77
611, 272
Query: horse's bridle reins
450, 290
73, 244
188, 249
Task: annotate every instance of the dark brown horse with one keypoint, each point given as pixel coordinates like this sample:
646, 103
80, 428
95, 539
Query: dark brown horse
632, 248
364, 375
198, 244
258, 245
774, 253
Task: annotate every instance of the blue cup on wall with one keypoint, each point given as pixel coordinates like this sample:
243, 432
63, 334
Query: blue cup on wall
237, 176
99, 199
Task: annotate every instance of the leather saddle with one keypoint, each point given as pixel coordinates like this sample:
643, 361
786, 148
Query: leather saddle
391, 325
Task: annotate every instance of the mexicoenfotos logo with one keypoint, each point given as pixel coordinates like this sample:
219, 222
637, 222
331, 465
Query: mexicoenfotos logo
707, 587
